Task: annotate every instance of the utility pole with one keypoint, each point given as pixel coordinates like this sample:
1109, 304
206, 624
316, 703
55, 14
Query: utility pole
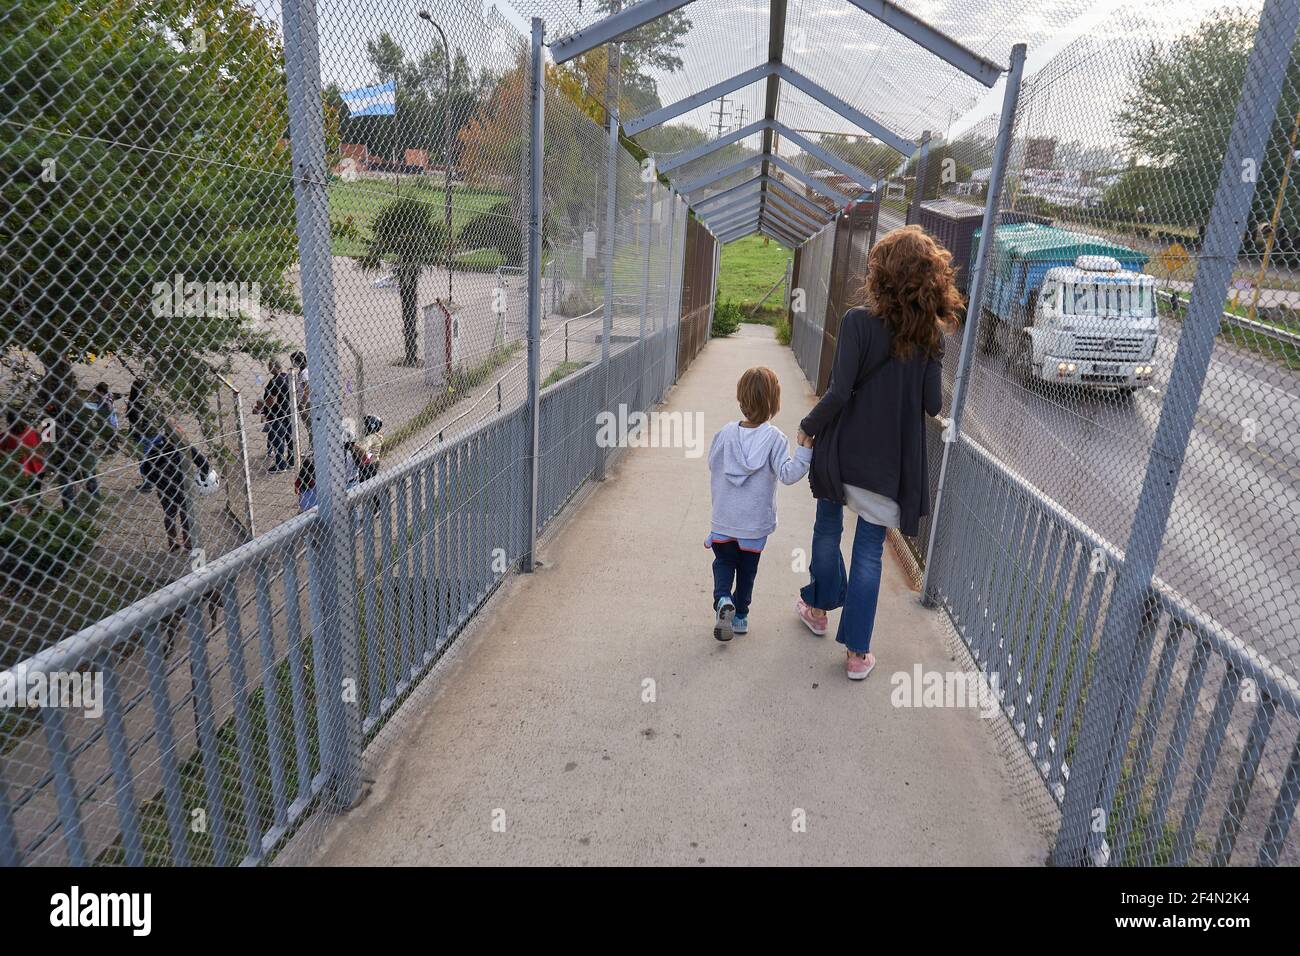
744, 115
722, 115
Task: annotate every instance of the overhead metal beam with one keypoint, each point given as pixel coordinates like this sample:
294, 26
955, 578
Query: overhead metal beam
703, 182
696, 100
780, 240
704, 149
729, 210
612, 27
739, 232
977, 67
737, 215
742, 198
709, 200
825, 155
799, 201
816, 185
776, 199
793, 198
775, 53
608, 29
813, 149
773, 233
790, 168
796, 79
764, 203
902, 146
796, 227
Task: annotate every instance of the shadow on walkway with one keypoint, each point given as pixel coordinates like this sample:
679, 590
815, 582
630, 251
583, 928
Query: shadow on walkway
538, 722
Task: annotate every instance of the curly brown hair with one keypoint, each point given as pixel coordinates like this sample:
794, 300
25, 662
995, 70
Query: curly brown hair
910, 285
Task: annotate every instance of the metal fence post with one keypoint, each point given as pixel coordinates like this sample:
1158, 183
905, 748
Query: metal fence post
611, 219
669, 270
1121, 668
243, 462
332, 580
918, 189
537, 103
876, 192
641, 402
1001, 152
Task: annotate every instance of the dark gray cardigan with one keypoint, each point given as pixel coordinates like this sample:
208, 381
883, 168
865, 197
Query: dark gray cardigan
881, 434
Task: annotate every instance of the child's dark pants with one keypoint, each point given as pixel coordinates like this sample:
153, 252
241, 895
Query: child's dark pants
730, 564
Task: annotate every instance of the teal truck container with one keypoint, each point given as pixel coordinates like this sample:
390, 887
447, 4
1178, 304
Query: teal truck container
1069, 307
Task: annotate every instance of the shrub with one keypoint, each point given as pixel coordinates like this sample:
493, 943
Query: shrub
782, 330
726, 318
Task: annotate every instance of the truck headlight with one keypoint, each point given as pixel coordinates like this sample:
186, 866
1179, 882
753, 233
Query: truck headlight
1064, 368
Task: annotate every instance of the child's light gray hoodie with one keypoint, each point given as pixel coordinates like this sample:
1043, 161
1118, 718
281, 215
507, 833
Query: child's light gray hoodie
744, 464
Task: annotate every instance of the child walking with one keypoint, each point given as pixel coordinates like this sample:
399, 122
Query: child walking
745, 461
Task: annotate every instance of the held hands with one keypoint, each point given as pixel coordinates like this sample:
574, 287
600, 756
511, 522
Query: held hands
804, 441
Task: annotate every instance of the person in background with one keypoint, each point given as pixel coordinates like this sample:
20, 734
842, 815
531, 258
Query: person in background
274, 407
166, 473
299, 362
304, 486
80, 435
105, 402
368, 449
23, 442
136, 420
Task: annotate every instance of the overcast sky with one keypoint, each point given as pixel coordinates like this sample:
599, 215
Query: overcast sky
1089, 49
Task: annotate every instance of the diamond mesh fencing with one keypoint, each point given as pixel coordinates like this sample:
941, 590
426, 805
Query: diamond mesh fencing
1115, 533
316, 313
297, 361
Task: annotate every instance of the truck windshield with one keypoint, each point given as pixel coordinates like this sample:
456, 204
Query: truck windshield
1116, 299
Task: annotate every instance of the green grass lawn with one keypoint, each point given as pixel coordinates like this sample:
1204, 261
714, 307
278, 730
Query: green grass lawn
748, 268
361, 200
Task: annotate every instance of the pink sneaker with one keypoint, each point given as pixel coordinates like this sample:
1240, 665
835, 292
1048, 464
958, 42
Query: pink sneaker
859, 666
815, 623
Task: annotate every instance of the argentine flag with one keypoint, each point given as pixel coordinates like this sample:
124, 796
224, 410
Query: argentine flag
372, 100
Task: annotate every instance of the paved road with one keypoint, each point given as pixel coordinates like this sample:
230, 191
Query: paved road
1233, 544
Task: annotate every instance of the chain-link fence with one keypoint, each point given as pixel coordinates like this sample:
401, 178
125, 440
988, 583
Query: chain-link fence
1117, 520
356, 347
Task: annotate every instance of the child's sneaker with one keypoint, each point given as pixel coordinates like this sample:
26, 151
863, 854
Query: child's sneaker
740, 624
858, 666
814, 623
724, 624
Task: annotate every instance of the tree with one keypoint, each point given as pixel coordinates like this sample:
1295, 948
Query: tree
408, 234
387, 57
652, 47
136, 153
1175, 122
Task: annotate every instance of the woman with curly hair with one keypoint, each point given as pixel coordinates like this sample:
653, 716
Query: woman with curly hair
868, 430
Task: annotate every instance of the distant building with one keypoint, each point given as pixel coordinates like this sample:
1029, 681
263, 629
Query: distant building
417, 157
1039, 152
355, 151
349, 168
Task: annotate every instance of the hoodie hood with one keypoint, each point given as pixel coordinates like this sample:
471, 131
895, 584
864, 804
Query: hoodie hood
746, 450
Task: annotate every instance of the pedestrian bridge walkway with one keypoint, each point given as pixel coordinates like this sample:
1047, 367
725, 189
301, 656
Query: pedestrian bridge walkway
589, 717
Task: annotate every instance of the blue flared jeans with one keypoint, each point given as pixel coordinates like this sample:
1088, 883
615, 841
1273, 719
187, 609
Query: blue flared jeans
858, 590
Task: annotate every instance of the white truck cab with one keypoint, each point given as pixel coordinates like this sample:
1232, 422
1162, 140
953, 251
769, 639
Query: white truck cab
1094, 323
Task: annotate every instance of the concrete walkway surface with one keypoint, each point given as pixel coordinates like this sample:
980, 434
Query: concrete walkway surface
591, 718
